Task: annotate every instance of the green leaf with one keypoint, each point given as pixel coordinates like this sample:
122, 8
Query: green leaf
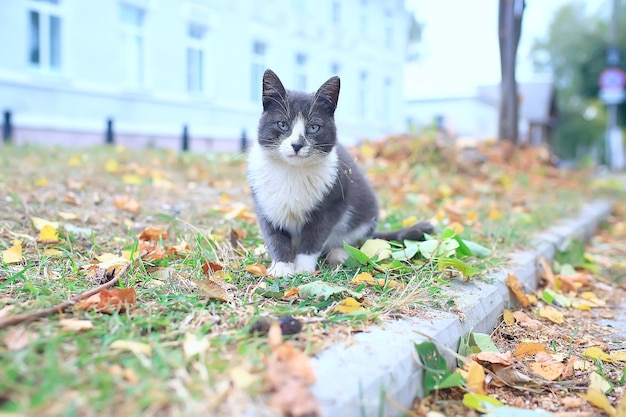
408, 252
324, 290
479, 402
447, 234
481, 342
477, 250
555, 298
466, 270
435, 367
451, 381
377, 249
272, 291
357, 254
462, 251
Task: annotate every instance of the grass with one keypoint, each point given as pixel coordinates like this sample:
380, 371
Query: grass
203, 357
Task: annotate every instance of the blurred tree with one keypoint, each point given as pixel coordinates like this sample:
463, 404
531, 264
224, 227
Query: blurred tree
575, 52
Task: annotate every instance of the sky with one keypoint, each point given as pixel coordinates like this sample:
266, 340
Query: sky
460, 44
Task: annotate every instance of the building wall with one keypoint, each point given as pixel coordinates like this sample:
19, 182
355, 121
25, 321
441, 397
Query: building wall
91, 83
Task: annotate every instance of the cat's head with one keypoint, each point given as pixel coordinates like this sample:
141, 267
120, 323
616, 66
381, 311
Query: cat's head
298, 127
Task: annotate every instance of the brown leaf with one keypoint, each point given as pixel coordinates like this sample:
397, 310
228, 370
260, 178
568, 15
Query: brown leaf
17, 338
515, 287
212, 289
528, 348
127, 204
181, 249
548, 370
153, 233
547, 273
256, 269
208, 267
291, 293
109, 301
153, 251
505, 358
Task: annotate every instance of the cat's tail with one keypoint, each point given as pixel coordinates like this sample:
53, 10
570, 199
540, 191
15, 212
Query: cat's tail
415, 232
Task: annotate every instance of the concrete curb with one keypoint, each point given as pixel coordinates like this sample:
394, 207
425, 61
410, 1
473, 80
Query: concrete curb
356, 380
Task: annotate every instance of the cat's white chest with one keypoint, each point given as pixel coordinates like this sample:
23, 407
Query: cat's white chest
286, 194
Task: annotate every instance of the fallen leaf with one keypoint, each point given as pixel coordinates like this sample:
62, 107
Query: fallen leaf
348, 305
182, 248
17, 338
291, 293
39, 223
193, 345
364, 278
111, 165
208, 267
67, 216
75, 325
256, 269
126, 203
598, 399
131, 179
528, 348
132, 346
475, 379
548, 370
109, 301
572, 402
552, 314
598, 382
52, 252
324, 290
513, 283
48, 234
13, 255
479, 402
618, 355
508, 317
547, 272
212, 289
153, 233
241, 377
376, 249
153, 251
505, 358
597, 353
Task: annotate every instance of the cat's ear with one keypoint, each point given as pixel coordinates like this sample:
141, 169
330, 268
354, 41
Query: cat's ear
273, 89
330, 91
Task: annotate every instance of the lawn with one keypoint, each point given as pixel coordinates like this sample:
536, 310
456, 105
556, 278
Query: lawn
186, 331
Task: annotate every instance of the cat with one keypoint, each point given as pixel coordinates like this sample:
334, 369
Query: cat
309, 195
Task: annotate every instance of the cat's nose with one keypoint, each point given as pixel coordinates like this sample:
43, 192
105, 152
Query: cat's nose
296, 147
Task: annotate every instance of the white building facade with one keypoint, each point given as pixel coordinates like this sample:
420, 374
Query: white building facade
153, 66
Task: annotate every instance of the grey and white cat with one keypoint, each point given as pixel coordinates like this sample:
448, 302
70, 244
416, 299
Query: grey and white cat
309, 195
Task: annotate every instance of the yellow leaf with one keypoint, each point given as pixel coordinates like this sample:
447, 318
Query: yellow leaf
364, 278
471, 217
476, 378
41, 182
241, 377
597, 381
495, 214
409, 221
75, 325
67, 216
291, 292
111, 165
367, 150
48, 234
131, 346
597, 353
548, 370
552, 314
212, 289
39, 223
621, 407
13, 255
618, 355
508, 317
598, 399
132, 179
389, 283
74, 160
377, 249
528, 348
516, 288
348, 305
52, 252
457, 227
581, 305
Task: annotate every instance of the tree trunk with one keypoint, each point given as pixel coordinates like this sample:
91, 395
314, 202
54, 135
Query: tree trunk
510, 27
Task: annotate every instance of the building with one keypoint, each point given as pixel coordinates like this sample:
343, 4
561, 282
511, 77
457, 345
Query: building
153, 66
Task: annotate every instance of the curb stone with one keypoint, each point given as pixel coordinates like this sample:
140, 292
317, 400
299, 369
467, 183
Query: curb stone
357, 380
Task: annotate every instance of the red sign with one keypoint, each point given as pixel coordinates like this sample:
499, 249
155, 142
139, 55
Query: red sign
612, 78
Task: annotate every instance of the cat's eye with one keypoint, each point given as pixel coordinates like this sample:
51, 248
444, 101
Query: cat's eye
283, 126
312, 128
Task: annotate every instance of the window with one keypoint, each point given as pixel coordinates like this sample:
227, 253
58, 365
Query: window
132, 44
301, 72
336, 12
195, 58
363, 94
386, 101
44, 35
259, 50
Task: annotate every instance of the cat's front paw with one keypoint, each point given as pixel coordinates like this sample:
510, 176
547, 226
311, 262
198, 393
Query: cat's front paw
281, 269
306, 263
